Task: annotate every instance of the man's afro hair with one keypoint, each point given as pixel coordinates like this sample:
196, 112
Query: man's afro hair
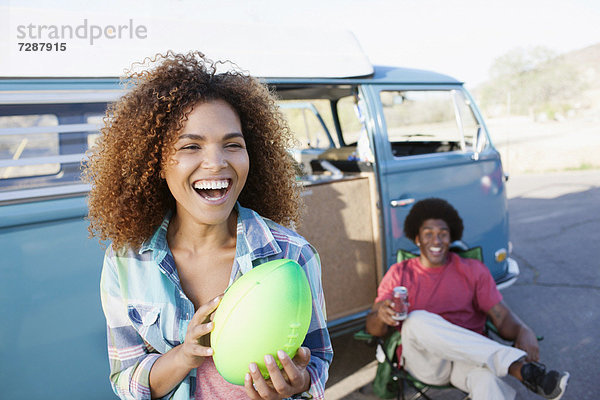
433, 208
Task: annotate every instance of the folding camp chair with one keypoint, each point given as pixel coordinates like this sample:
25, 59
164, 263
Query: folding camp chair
391, 379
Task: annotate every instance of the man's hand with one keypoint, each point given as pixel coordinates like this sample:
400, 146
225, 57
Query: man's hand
385, 312
527, 341
380, 318
292, 380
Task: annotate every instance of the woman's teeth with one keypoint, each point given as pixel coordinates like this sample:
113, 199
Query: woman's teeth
212, 190
220, 184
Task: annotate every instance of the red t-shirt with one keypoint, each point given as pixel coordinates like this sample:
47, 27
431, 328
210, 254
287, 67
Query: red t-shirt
462, 291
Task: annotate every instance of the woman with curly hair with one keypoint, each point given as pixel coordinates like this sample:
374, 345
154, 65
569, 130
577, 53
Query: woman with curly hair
190, 183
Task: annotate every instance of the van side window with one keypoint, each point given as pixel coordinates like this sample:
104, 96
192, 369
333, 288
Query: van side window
428, 121
326, 128
95, 120
308, 121
43, 145
15, 146
349, 119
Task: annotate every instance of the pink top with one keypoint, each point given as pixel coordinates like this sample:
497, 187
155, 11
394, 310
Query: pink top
462, 291
211, 385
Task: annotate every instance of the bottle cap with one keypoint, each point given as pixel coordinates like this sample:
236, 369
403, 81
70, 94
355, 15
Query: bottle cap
400, 290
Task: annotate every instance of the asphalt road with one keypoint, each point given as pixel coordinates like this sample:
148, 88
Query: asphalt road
555, 231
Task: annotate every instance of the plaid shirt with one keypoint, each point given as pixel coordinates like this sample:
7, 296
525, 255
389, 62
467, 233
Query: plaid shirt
147, 312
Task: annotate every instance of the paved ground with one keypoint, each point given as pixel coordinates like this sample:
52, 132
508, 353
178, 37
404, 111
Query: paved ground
555, 221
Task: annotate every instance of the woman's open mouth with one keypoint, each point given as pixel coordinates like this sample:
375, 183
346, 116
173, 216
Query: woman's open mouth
212, 189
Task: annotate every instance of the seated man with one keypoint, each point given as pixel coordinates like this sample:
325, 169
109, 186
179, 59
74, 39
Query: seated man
449, 300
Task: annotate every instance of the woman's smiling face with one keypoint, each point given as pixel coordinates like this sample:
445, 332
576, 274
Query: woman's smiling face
209, 166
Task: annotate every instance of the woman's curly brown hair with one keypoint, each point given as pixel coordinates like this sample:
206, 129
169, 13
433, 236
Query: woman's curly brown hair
128, 199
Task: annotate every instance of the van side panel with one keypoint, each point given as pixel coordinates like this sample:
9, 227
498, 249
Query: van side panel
339, 223
51, 344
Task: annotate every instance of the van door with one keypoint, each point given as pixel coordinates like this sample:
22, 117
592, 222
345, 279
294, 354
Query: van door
430, 141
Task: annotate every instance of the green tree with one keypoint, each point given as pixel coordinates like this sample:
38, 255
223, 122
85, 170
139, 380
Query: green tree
531, 81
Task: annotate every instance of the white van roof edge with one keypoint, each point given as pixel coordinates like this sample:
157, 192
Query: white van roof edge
265, 51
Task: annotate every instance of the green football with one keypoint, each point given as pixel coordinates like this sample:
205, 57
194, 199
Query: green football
267, 309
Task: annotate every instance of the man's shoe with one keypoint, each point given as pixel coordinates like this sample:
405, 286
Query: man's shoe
551, 385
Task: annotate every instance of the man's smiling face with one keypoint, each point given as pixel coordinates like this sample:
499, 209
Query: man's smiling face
433, 241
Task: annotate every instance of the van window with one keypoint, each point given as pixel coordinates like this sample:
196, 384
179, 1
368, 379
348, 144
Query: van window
326, 129
428, 121
16, 146
313, 124
43, 145
95, 120
349, 119
308, 121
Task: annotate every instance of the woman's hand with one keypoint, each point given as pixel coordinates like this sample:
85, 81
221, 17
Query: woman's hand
173, 366
194, 348
293, 379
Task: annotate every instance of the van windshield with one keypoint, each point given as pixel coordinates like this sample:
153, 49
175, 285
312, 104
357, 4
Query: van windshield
428, 121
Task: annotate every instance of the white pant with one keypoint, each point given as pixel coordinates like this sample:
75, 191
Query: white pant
437, 352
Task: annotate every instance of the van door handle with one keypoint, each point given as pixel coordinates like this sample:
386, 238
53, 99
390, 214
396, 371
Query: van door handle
401, 202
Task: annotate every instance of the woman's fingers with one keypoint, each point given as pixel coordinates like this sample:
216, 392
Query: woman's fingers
200, 325
196, 345
282, 383
302, 357
259, 384
205, 310
250, 390
295, 368
278, 380
293, 378
201, 330
198, 350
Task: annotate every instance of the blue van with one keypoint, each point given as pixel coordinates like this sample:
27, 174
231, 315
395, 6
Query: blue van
369, 145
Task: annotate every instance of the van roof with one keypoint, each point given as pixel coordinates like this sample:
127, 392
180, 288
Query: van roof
259, 50
280, 54
68, 90
380, 75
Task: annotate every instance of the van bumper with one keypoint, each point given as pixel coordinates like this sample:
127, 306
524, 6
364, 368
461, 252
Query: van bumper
512, 274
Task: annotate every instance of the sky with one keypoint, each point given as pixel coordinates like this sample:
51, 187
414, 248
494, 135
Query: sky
461, 38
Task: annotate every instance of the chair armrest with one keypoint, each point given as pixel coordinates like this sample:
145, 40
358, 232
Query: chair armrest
364, 336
